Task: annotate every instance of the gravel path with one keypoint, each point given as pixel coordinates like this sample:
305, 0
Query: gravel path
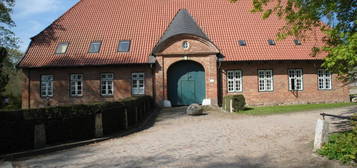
216, 140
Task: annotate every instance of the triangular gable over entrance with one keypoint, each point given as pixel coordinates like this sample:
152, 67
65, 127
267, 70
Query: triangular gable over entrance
182, 24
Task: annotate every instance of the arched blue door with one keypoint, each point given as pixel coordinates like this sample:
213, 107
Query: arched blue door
186, 83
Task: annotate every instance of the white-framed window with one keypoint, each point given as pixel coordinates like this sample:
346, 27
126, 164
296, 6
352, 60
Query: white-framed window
76, 83
138, 86
296, 81
107, 84
324, 79
265, 80
46, 85
234, 81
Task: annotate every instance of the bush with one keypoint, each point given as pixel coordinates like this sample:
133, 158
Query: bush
238, 102
341, 146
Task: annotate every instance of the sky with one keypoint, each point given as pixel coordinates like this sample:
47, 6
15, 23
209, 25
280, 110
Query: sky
32, 16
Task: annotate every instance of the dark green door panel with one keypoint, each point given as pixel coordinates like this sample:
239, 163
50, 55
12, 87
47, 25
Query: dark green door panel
188, 95
186, 83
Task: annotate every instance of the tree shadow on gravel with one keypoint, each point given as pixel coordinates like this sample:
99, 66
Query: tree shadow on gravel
343, 125
205, 161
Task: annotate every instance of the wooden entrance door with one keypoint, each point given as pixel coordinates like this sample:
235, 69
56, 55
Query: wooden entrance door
186, 83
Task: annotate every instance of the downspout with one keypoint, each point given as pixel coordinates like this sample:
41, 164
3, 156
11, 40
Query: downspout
29, 89
152, 62
219, 80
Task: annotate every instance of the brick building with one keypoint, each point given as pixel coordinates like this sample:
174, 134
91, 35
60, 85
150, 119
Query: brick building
182, 51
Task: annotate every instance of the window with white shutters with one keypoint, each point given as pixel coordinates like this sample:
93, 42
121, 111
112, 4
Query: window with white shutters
234, 81
295, 79
265, 80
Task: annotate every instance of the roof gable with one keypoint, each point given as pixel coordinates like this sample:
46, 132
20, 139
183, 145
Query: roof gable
183, 23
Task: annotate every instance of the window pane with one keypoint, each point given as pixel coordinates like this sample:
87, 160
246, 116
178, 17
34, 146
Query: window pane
61, 48
46, 85
95, 47
124, 46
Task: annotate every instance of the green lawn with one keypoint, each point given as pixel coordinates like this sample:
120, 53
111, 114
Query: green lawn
291, 108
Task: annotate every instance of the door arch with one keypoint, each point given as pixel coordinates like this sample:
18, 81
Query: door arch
186, 83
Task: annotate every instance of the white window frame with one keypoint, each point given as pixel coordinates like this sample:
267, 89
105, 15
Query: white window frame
76, 85
46, 85
107, 84
265, 80
322, 77
293, 74
234, 81
136, 78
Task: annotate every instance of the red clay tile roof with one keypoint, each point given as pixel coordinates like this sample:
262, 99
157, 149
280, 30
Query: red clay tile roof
144, 22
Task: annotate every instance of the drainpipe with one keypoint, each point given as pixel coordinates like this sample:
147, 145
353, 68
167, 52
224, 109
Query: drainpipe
29, 89
219, 79
152, 62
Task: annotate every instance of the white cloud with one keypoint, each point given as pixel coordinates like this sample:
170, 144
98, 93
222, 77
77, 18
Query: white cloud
30, 7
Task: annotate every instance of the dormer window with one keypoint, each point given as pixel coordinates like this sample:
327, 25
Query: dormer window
242, 42
271, 42
95, 47
297, 42
62, 48
124, 46
185, 45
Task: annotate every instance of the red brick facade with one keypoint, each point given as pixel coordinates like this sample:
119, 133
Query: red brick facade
156, 79
201, 51
31, 97
281, 93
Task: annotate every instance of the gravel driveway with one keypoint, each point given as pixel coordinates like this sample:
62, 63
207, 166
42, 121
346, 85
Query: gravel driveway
216, 140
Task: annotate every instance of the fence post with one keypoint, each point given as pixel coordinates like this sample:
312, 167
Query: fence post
39, 136
126, 121
321, 132
98, 125
231, 105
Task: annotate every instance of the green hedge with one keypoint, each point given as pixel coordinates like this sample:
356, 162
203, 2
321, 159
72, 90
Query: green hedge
69, 123
238, 102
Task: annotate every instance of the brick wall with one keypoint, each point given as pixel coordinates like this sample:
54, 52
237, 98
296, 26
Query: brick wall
200, 51
91, 85
281, 94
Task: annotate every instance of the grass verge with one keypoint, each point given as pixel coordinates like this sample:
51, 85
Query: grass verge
291, 108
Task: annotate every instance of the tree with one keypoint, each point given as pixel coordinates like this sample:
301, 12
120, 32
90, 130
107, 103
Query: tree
304, 15
3, 77
7, 37
15, 80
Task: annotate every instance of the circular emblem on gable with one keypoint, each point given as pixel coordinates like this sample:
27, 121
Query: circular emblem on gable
185, 45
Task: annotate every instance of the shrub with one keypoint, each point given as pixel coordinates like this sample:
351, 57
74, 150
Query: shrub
341, 146
238, 102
